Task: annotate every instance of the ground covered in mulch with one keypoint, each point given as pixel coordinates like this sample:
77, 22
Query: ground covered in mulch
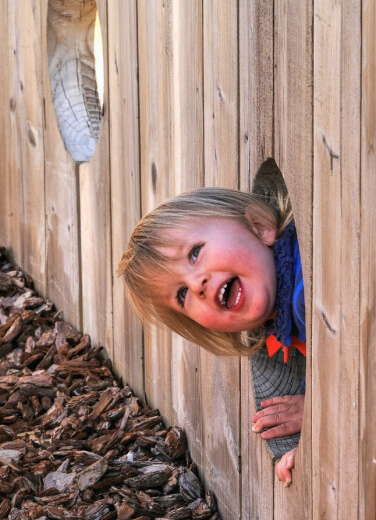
74, 441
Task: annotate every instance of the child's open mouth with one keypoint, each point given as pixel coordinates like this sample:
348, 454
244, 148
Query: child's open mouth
230, 292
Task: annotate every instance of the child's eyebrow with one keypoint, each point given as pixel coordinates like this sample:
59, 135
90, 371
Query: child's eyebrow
172, 252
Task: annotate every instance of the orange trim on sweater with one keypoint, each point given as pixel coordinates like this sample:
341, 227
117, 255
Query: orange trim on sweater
273, 345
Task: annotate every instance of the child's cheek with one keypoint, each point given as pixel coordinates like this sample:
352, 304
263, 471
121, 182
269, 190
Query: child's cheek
204, 317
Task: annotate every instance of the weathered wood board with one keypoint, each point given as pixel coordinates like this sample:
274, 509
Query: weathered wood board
22, 192
123, 111
293, 110
367, 342
336, 267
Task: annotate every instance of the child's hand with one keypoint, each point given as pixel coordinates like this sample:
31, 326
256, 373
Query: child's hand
283, 415
284, 467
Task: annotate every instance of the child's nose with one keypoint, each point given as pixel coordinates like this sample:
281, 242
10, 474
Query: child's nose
199, 285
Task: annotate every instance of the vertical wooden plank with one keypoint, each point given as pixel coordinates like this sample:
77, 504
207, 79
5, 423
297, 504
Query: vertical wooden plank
24, 198
220, 420
256, 87
155, 107
367, 476
256, 144
293, 86
220, 93
220, 377
186, 54
348, 495
95, 218
62, 219
171, 121
185, 36
9, 217
335, 331
125, 179
155, 50
293, 153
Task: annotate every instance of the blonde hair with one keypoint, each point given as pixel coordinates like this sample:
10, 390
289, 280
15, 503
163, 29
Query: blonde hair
143, 255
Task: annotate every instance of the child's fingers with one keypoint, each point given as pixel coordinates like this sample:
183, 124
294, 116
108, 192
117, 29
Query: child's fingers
283, 474
277, 409
285, 418
269, 421
279, 426
284, 467
288, 428
279, 399
283, 411
290, 455
282, 399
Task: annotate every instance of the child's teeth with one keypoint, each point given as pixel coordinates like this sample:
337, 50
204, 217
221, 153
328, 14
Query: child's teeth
222, 292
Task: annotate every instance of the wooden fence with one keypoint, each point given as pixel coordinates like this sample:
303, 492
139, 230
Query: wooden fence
199, 92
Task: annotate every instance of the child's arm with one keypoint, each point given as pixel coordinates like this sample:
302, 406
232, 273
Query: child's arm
283, 415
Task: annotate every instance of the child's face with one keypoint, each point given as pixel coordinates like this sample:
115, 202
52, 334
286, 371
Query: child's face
222, 276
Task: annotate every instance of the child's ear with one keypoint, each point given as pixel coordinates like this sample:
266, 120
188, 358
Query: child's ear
266, 232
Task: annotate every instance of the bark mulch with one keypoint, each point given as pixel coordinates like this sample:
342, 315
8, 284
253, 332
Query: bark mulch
75, 442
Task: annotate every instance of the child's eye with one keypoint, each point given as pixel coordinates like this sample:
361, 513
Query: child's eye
181, 294
193, 254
